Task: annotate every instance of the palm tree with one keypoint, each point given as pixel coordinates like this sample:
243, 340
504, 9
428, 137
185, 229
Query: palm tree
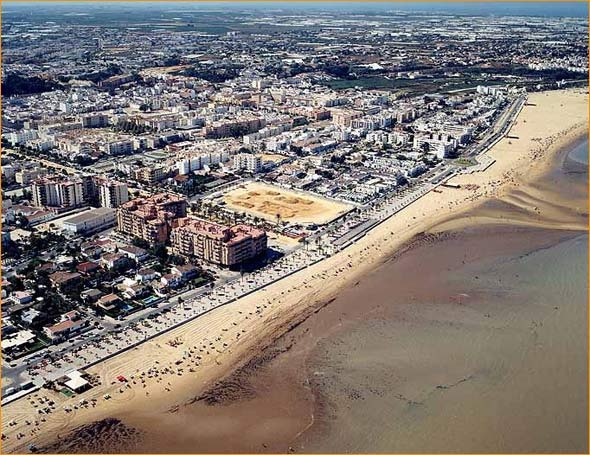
318, 244
198, 205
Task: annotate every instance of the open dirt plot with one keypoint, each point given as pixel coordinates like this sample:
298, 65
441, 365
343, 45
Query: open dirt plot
266, 201
272, 157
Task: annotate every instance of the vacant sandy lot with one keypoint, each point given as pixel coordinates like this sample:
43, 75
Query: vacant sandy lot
162, 70
272, 157
267, 201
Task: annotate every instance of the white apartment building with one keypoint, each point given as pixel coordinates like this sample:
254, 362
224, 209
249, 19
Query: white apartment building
266, 132
49, 192
371, 122
94, 120
248, 162
438, 144
112, 194
491, 90
22, 136
26, 176
198, 161
119, 147
462, 133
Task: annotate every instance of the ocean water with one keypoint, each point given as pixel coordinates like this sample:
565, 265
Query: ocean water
494, 360
476, 343
580, 152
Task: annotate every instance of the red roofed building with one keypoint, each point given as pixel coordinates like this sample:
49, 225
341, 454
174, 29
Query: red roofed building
64, 278
215, 243
69, 324
113, 260
87, 268
109, 301
149, 218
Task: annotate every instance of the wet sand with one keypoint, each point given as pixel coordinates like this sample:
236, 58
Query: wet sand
449, 332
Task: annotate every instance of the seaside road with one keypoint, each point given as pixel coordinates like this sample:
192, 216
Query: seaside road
19, 374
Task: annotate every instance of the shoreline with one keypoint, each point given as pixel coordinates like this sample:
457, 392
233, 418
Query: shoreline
299, 350
280, 387
305, 290
331, 409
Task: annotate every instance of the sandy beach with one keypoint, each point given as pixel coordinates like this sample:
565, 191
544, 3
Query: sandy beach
179, 367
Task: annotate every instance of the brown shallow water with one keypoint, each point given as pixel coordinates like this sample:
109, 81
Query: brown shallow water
494, 361
456, 346
466, 341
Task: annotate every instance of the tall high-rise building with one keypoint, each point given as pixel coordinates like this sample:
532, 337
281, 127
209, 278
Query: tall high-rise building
150, 218
55, 192
112, 194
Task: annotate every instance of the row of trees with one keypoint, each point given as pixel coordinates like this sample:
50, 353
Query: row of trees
212, 75
127, 126
17, 84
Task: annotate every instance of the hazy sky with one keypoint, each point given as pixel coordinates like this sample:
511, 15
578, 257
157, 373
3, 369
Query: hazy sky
574, 9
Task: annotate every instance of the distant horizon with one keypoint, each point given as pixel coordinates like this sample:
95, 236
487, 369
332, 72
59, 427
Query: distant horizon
575, 9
